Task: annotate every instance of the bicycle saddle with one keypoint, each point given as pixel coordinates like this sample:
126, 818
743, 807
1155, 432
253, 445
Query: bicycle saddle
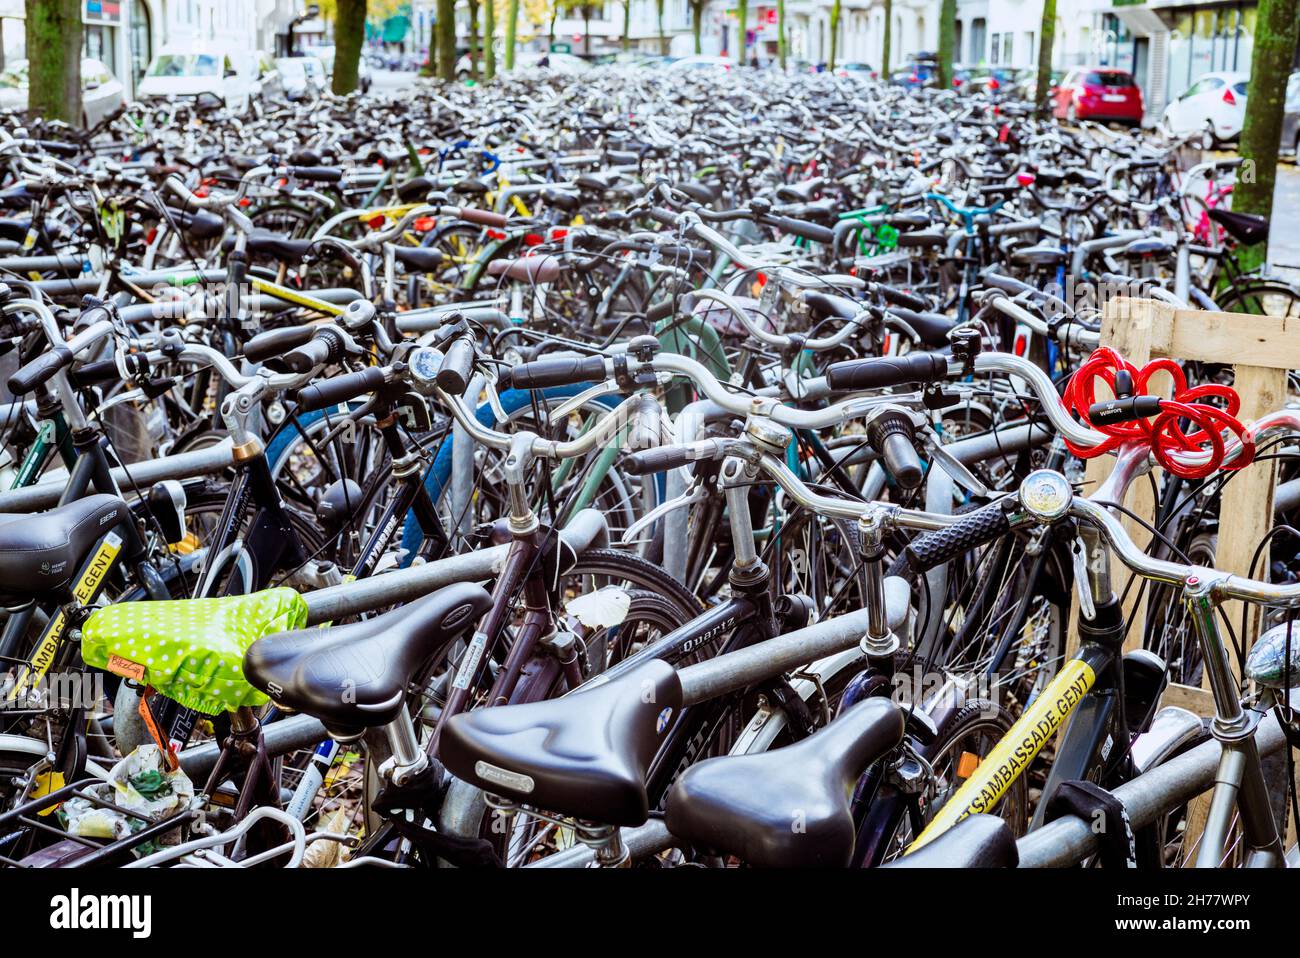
1247, 228
40, 554
527, 269
420, 258
355, 676
800, 192
585, 754
978, 841
787, 808
1042, 254
277, 247
933, 328
922, 238
823, 305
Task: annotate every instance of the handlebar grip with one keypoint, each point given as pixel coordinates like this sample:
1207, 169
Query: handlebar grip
899, 297
316, 174
1108, 412
878, 372
101, 371
322, 348
970, 532
664, 217
340, 389
809, 231
483, 217
275, 342
901, 460
40, 370
558, 371
648, 461
659, 311
457, 367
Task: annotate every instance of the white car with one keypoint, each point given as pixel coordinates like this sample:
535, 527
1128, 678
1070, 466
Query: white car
101, 92
565, 63
1215, 104
701, 63
177, 72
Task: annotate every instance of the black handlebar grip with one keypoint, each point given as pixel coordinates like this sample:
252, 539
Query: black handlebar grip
882, 371
899, 297
648, 461
558, 371
322, 348
457, 367
275, 342
316, 174
340, 389
809, 231
659, 311
101, 371
901, 460
39, 370
1111, 411
969, 532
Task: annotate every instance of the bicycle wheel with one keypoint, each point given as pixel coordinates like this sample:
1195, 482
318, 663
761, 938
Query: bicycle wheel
965, 739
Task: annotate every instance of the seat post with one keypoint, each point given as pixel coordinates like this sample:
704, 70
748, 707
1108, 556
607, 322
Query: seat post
407, 759
607, 842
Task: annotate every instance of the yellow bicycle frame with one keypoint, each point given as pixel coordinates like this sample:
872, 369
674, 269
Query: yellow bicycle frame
1017, 749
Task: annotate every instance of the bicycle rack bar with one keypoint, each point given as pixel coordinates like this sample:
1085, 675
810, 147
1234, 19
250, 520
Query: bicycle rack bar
185, 465
1069, 840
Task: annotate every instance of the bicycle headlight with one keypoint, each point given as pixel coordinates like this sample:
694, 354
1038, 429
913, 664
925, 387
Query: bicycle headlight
1046, 494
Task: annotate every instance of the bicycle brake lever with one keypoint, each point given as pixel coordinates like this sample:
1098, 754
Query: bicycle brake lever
951, 465
588, 394
693, 495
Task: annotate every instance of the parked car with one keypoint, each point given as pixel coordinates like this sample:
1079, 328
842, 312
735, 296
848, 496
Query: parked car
183, 72
701, 63
101, 92
1291, 117
860, 71
300, 78
1215, 104
1103, 94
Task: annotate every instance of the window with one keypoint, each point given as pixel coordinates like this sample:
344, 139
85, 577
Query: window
1109, 79
996, 48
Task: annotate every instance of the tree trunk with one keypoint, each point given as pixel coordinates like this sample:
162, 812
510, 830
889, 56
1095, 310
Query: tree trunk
54, 59
835, 34
742, 15
349, 34
447, 40
586, 30
627, 25
780, 32
512, 20
555, 12
1047, 37
663, 37
889, 32
489, 39
697, 18
1276, 27
473, 39
947, 40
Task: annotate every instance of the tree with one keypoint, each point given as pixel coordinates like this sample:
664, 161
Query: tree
473, 39
349, 35
663, 37
835, 32
780, 32
889, 31
447, 40
947, 40
489, 39
512, 24
627, 25
742, 16
54, 59
1276, 26
697, 21
1047, 35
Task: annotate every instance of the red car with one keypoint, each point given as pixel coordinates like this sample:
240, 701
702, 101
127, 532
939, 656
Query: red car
1098, 93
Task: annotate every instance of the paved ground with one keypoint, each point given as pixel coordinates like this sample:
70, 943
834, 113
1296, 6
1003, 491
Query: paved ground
1284, 232
390, 81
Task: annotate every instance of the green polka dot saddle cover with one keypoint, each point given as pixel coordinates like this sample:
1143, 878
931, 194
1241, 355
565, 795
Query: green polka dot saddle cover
190, 650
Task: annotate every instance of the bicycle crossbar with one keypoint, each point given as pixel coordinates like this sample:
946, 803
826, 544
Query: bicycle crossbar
1071, 839
141, 475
